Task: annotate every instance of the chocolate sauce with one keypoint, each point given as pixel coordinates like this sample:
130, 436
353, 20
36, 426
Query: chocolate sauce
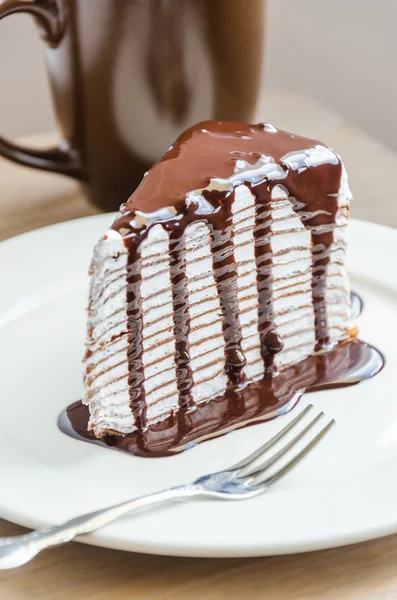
180, 297
135, 337
270, 342
203, 160
225, 273
350, 362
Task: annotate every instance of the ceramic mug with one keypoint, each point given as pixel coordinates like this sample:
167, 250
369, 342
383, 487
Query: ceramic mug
127, 76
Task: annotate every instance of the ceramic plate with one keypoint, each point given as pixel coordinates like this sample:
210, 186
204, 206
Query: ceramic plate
343, 492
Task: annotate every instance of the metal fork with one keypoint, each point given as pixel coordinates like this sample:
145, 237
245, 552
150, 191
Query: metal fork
243, 480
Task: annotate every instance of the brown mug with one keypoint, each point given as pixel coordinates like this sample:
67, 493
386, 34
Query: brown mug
127, 76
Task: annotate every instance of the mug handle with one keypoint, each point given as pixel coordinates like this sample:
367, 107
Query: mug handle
51, 18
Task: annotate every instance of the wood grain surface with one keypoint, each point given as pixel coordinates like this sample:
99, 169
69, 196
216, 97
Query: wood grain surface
366, 571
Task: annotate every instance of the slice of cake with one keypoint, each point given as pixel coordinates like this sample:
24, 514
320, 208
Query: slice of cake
224, 267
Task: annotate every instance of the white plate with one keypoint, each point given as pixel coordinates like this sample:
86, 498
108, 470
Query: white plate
343, 492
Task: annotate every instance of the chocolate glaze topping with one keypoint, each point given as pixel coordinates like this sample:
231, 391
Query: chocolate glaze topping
210, 150
195, 181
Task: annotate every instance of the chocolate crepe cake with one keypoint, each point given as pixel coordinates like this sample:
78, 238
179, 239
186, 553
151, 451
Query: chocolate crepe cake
225, 268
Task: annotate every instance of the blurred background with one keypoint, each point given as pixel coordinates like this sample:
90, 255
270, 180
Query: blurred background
340, 53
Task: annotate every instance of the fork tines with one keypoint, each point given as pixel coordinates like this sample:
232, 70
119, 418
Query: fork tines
254, 473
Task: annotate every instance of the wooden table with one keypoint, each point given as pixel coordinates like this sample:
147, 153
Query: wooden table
366, 571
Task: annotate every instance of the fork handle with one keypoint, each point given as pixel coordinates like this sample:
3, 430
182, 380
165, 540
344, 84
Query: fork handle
18, 550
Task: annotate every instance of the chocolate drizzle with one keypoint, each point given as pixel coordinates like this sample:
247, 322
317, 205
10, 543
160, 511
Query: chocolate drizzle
225, 273
270, 342
321, 221
135, 339
180, 300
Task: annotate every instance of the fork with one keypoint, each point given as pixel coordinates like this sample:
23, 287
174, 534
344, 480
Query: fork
238, 482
